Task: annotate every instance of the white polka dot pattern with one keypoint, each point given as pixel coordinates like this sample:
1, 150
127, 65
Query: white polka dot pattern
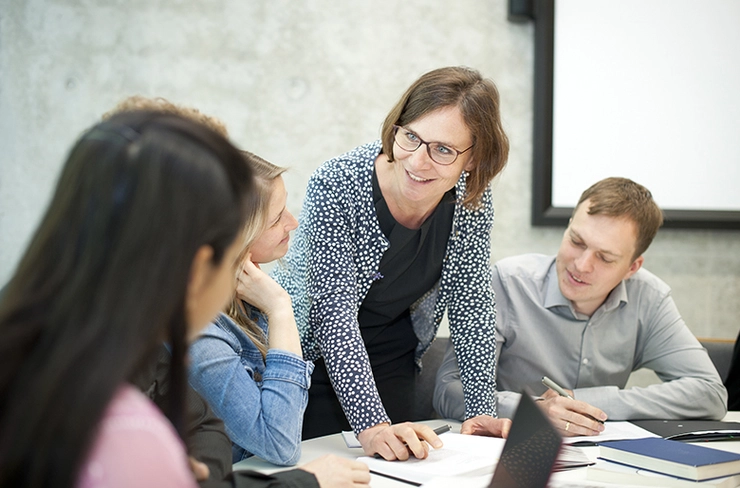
334, 256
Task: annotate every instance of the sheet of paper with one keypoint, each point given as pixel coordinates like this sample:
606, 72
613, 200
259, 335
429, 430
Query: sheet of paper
613, 431
461, 454
491, 447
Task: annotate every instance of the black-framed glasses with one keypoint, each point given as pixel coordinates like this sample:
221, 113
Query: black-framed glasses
438, 152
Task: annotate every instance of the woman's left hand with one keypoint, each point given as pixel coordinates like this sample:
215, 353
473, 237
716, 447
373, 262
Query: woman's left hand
400, 441
257, 288
486, 425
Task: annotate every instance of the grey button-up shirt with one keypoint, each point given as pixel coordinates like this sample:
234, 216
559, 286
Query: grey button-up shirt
638, 326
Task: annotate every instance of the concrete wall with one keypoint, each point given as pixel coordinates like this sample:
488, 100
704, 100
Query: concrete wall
296, 82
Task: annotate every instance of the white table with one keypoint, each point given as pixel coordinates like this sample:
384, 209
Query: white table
334, 444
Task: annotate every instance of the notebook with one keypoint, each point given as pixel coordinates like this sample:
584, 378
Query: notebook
679, 459
608, 472
692, 430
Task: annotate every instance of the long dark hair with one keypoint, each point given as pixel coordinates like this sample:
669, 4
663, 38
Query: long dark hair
103, 282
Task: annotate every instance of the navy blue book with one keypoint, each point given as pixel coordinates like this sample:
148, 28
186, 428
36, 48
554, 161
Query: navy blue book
679, 459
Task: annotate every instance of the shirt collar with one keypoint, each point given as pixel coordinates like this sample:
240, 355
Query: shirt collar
616, 297
553, 297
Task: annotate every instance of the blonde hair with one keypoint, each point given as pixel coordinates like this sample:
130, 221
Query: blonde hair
238, 310
159, 104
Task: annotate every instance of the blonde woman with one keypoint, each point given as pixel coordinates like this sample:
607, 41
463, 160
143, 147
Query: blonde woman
248, 364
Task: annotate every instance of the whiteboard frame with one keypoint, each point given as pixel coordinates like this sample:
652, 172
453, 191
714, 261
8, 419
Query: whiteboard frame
544, 213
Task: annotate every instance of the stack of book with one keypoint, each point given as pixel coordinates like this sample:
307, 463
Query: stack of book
676, 463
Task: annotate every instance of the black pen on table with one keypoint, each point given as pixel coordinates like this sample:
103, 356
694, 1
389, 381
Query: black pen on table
439, 430
560, 391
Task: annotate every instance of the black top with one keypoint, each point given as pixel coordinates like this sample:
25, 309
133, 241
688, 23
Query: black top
409, 268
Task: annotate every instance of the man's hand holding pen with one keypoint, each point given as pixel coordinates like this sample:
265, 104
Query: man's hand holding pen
572, 417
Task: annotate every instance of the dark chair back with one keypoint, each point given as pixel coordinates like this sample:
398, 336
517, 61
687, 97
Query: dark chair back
431, 362
720, 352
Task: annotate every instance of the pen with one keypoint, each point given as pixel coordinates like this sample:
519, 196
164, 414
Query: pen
554, 386
560, 391
439, 430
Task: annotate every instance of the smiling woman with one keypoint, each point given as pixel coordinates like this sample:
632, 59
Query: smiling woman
390, 238
415, 184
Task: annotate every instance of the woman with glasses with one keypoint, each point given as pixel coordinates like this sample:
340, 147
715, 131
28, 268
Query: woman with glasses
392, 235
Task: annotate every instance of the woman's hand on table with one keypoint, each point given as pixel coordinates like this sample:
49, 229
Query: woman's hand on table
334, 472
486, 425
399, 441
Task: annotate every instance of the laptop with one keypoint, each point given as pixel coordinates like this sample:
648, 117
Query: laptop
529, 455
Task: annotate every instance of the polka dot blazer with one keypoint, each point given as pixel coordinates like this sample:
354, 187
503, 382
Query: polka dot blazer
334, 259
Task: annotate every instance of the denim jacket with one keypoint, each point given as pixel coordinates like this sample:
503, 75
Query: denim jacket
333, 261
260, 401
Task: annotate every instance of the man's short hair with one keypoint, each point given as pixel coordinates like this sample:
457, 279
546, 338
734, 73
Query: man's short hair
159, 104
622, 197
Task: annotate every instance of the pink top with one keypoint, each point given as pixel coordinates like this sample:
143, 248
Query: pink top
136, 446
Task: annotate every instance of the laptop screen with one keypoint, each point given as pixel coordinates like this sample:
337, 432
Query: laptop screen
531, 449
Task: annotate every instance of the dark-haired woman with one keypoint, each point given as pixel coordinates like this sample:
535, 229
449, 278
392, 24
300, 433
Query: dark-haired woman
138, 247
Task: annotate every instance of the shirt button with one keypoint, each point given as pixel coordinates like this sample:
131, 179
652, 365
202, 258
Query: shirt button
585, 361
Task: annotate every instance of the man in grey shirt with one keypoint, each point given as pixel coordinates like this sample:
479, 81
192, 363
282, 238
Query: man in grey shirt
587, 318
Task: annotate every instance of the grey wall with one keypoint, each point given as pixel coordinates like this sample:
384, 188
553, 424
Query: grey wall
296, 82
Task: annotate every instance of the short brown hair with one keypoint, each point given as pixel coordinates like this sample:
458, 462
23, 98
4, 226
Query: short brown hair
263, 174
478, 101
159, 104
622, 197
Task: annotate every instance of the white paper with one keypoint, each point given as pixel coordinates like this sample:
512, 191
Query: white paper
461, 454
606, 471
613, 431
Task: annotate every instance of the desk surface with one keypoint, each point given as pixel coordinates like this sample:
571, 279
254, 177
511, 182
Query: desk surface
334, 444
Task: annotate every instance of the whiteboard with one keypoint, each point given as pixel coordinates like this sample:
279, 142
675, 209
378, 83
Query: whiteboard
645, 89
